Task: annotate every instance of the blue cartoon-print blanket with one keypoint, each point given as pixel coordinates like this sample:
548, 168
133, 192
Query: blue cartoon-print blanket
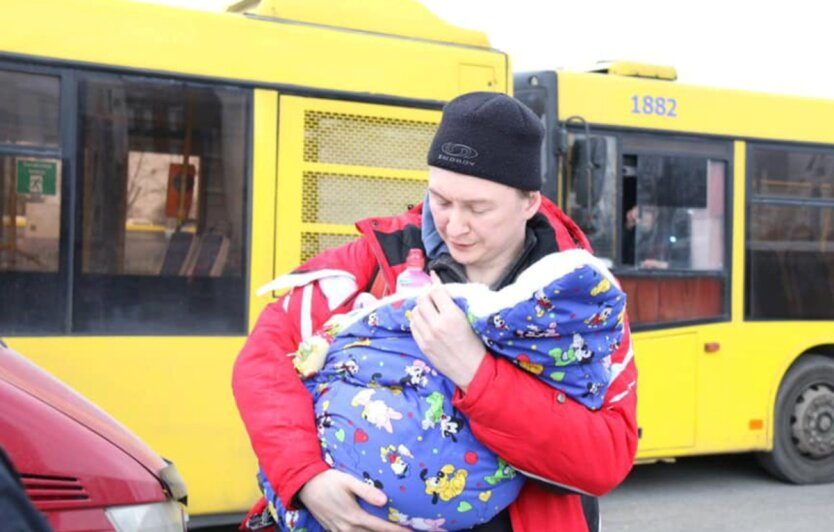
385, 415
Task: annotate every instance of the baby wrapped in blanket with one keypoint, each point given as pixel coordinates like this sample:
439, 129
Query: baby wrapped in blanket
385, 415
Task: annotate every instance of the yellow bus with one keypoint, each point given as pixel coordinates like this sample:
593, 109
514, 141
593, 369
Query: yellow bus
158, 165
715, 208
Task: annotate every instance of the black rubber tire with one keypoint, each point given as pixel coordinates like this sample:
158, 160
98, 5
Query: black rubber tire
811, 375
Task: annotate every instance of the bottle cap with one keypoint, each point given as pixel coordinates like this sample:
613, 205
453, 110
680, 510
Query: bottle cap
415, 259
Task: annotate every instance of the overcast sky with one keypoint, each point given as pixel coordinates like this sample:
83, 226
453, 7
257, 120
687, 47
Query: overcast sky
782, 47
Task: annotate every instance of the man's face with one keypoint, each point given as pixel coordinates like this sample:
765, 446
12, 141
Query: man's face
646, 218
482, 222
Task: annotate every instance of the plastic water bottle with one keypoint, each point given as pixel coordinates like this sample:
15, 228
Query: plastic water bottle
413, 279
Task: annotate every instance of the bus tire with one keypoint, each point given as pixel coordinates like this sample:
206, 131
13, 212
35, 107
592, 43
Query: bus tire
803, 425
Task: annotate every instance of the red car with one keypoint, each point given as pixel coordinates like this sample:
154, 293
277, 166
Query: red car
81, 468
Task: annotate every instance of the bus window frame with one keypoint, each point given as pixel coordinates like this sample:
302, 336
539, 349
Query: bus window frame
723, 152
71, 76
60, 299
751, 199
78, 278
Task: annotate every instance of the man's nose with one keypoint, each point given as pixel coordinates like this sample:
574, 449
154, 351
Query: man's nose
458, 223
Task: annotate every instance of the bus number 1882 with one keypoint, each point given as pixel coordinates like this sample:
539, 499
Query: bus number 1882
654, 105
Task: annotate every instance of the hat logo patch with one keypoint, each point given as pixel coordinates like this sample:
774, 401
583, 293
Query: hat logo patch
458, 153
459, 150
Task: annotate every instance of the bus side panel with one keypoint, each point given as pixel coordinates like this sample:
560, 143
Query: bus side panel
666, 400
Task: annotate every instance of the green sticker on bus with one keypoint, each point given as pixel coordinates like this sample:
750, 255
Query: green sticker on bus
37, 177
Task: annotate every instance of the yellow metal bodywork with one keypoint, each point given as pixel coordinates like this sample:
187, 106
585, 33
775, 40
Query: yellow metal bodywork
174, 392
607, 100
409, 19
691, 401
158, 38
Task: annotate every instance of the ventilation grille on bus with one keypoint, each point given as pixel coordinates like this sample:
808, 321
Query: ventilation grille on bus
339, 138
344, 199
54, 492
362, 145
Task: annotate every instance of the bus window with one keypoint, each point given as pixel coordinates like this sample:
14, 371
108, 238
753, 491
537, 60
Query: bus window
672, 231
162, 242
30, 203
673, 212
791, 235
28, 109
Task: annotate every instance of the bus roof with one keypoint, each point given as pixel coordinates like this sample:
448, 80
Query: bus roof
404, 18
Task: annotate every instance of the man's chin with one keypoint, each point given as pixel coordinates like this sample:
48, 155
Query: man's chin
462, 256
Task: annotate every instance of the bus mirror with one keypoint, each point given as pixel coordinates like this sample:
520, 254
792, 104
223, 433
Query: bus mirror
588, 165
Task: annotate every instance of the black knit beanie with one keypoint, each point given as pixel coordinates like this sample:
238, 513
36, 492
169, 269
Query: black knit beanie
492, 136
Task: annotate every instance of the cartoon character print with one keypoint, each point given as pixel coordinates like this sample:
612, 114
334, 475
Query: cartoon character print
450, 426
367, 479
415, 523
598, 319
534, 331
362, 342
434, 412
577, 352
346, 368
543, 303
324, 420
523, 360
417, 375
499, 323
603, 286
504, 472
375, 411
375, 384
447, 484
581, 351
592, 389
291, 521
395, 458
373, 319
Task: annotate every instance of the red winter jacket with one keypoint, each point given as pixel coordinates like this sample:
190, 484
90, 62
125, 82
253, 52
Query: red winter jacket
531, 425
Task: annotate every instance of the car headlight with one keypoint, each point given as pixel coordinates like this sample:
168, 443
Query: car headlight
163, 517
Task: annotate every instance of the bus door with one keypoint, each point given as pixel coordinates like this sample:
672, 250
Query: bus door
340, 162
655, 208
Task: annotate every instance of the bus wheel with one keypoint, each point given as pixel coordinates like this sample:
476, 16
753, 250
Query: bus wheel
803, 432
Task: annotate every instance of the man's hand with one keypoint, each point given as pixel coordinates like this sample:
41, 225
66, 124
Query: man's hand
443, 333
654, 264
331, 497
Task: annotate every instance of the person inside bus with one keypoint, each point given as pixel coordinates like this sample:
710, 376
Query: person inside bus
485, 205
645, 243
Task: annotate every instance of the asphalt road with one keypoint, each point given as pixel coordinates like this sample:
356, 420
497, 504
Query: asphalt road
715, 494
710, 494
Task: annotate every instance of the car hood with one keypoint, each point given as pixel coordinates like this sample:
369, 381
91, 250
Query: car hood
23, 374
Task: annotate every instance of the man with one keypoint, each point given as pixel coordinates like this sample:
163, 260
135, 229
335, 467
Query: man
484, 221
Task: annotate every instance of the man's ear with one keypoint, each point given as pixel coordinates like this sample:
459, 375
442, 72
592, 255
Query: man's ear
531, 204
